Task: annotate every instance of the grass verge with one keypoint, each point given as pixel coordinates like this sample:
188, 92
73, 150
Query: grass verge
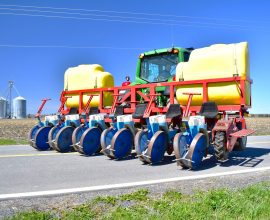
12, 142
247, 203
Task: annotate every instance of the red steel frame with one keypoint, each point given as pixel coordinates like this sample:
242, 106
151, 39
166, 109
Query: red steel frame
37, 115
133, 91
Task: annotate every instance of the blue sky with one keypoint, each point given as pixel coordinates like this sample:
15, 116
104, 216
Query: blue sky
37, 46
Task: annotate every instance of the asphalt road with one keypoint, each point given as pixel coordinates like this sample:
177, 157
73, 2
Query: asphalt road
27, 172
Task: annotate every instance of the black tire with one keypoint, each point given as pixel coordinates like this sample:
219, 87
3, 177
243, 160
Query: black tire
241, 143
220, 147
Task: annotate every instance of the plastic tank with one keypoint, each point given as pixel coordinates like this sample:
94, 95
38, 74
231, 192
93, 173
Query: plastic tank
88, 77
19, 107
3, 107
216, 61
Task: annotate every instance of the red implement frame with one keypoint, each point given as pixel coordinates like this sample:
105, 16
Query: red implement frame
134, 91
86, 109
187, 109
41, 107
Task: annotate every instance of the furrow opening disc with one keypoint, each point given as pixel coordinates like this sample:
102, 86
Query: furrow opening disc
180, 146
52, 135
141, 142
76, 137
32, 134
105, 141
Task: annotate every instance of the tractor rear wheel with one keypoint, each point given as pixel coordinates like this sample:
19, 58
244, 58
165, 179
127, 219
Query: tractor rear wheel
220, 146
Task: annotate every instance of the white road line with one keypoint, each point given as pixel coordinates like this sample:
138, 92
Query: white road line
35, 155
125, 185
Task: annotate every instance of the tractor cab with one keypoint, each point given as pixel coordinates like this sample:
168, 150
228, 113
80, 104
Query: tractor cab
159, 65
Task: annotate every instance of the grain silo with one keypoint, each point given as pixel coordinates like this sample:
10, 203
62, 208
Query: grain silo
19, 107
3, 107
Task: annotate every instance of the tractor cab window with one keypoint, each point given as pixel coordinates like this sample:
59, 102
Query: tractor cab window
186, 56
158, 68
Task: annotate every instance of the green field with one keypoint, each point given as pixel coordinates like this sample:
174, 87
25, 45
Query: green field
247, 203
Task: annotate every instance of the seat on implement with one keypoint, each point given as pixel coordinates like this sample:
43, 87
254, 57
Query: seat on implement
209, 110
173, 111
93, 111
119, 110
139, 111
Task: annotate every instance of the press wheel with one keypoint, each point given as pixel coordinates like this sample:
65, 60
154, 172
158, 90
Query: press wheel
197, 150
63, 140
122, 143
156, 148
90, 141
41, 138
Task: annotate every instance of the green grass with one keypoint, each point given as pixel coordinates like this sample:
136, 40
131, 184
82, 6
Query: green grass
248, 203
7, 142
12, 142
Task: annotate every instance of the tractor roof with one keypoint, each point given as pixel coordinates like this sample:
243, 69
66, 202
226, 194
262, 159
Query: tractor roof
163, 50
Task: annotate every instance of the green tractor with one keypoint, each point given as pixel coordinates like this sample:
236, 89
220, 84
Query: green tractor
157, 66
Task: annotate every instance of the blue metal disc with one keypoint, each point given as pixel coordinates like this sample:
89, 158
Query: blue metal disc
198, 147
41, 138
157, 147
122, 143
52, 135
63, 140
32, 134
180, 145
77, 134
76, 137
141, 142
106, 139
90, 141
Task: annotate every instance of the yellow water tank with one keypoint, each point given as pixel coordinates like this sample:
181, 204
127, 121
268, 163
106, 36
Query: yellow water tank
216, 61
88, 76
